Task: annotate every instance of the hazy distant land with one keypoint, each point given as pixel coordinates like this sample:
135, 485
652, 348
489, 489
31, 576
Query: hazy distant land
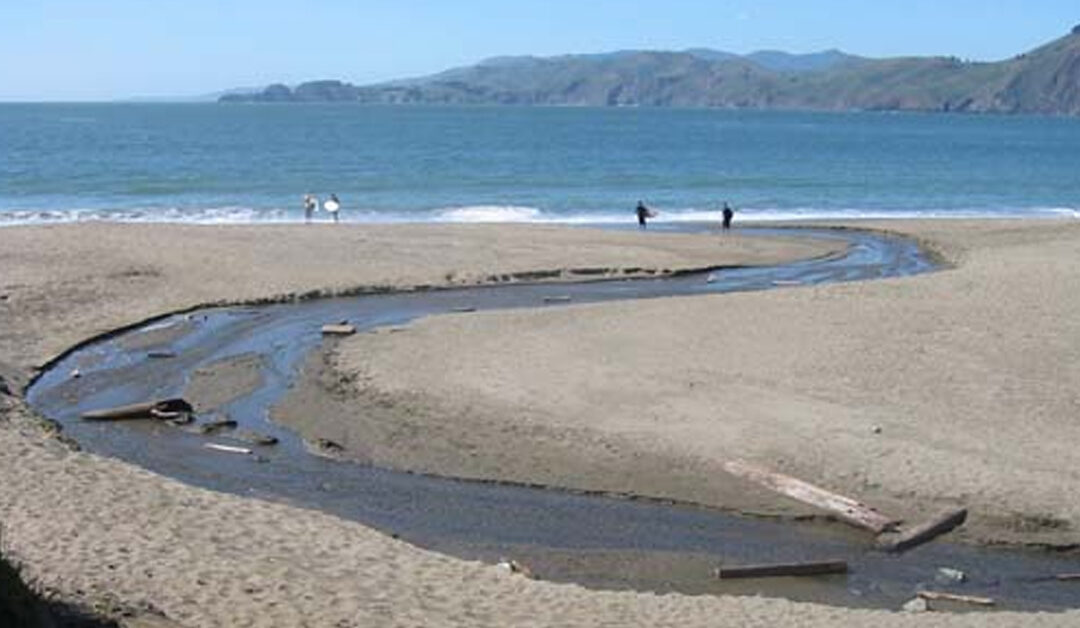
1045, 80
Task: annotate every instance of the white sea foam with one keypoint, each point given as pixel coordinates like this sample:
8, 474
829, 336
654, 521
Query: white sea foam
491, 213
235, 214
208, 215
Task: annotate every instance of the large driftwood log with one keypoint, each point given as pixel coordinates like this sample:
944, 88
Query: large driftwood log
161, 408
809, 568
338, 330
848, 509
925, 532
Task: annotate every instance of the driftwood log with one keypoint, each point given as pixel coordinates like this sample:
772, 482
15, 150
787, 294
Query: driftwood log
955, 597
848, 509
161, 408
807, 568
338, 330
925, 532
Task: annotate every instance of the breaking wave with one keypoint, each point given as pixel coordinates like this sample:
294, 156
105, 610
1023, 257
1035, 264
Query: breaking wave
470, 214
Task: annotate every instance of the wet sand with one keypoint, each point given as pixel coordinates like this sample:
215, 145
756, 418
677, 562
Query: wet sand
121, 539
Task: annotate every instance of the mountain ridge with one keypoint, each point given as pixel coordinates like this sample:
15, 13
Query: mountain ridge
1045, 80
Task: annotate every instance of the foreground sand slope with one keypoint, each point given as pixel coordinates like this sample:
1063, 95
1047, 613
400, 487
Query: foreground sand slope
914, 394
126, 540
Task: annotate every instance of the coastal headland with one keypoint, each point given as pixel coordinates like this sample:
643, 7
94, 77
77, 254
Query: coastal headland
951, 388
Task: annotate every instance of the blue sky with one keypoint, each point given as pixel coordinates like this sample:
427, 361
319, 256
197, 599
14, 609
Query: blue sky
107, 49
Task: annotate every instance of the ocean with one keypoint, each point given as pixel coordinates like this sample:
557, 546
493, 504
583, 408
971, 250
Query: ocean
213, 163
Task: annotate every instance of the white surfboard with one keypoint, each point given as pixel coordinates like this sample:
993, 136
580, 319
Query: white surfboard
331, 206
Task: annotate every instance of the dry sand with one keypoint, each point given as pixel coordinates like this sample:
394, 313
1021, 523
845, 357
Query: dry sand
913, 394
945, 364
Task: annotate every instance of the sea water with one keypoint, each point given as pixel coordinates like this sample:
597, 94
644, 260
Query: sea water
216, 163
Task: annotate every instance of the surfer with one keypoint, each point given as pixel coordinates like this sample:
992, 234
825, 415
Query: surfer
728, 214
643, 213
333, 205
310, 205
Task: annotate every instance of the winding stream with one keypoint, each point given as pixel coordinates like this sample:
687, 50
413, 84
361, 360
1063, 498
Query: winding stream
597, 541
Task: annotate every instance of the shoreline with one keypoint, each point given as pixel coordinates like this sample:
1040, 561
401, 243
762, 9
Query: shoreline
64, 472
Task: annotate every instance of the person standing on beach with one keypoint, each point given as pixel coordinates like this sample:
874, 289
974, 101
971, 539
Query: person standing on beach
643, 213
728, 214
333, 205
310, 205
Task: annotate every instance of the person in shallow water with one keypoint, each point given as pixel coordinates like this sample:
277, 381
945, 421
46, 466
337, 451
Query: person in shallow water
643, 214
333, 205
310, 205
728, 214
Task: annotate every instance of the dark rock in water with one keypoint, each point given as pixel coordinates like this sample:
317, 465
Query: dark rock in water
161, 354
216, 425
174, 405
327, 447
254, 438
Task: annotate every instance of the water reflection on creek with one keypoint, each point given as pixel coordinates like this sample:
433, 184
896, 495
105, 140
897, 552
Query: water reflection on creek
593, 540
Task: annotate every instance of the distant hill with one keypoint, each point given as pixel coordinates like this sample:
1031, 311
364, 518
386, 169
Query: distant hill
1044, 80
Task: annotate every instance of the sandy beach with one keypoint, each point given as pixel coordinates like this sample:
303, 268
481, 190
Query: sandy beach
953, 388
914, 394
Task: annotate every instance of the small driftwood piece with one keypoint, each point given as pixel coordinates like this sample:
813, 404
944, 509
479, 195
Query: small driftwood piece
217, 424
255, 438
161, 408
463, 309
229, 449
925, 532
955, 597
848, 509
1067, 577
338, 330
557, 299
808, 568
